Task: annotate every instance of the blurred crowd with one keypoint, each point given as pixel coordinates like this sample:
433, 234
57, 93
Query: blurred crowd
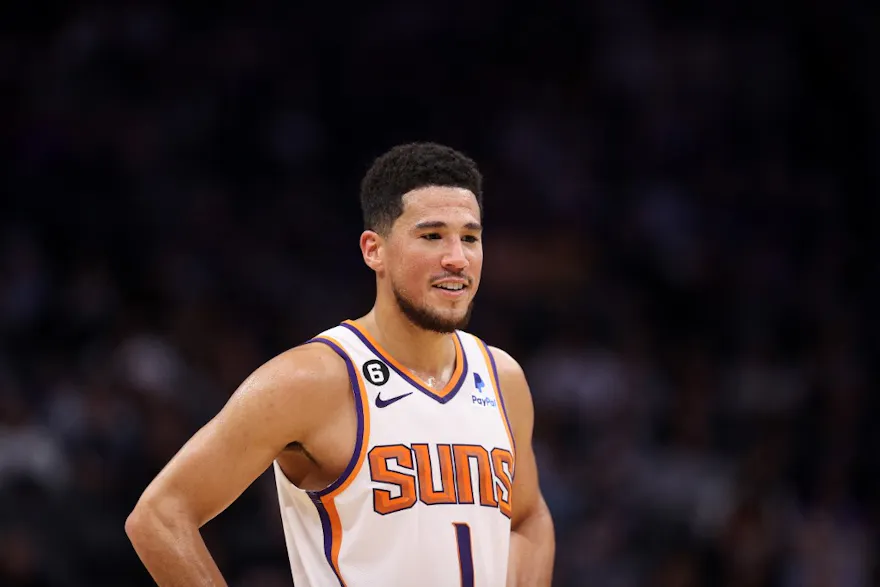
675, 251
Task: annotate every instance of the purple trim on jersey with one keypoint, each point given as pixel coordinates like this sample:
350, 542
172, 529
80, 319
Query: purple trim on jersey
328, 534
500, 395
359, 408
442, 399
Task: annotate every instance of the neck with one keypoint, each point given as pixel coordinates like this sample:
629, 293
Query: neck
429, 354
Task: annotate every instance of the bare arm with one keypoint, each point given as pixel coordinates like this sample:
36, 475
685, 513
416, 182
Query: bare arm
276, 405
532, 540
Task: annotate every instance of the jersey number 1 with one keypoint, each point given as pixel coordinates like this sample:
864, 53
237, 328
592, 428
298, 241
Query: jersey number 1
465, 554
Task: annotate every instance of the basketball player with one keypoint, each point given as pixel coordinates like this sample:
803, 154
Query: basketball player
401, 445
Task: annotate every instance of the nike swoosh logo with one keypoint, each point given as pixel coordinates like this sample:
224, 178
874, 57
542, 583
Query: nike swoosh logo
384, 403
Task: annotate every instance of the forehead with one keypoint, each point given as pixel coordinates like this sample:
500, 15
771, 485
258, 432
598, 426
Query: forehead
448, 204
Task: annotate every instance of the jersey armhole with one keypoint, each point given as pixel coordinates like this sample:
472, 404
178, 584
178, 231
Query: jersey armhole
363, 422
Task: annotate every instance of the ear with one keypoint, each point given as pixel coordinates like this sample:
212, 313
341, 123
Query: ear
373, 249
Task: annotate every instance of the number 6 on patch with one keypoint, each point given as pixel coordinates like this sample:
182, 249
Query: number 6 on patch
465, 554
376, 372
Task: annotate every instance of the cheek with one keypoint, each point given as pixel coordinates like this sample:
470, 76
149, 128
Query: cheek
476, 262
409, 271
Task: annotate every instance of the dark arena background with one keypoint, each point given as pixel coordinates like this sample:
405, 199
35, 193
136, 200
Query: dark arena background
681, 250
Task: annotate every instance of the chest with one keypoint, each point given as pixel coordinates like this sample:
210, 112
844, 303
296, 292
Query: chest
401, 413
457, 451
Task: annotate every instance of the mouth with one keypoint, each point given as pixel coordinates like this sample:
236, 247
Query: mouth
453, 289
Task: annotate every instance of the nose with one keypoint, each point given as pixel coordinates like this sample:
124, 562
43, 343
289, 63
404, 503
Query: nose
455, 259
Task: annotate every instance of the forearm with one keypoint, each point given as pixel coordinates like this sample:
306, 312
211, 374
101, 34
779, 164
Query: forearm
172, 550
532, 548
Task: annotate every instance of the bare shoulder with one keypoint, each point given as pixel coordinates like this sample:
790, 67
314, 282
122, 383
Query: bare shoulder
294, 387
311, 363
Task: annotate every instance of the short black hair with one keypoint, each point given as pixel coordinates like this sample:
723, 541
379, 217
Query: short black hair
409, 167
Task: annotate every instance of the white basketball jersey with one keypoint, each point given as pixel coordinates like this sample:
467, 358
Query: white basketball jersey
425, 499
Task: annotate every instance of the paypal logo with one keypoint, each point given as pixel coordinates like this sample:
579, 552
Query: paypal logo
486, 402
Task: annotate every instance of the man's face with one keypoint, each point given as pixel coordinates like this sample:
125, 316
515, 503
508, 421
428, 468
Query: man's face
433, 257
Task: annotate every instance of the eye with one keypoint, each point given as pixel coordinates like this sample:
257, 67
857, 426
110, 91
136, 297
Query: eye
469, 238
432, 236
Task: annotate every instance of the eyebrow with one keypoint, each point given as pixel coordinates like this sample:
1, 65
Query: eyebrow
440, 224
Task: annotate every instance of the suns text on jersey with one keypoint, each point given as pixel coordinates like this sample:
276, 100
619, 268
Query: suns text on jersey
410, 471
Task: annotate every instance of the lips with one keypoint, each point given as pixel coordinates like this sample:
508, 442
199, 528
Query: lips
452, 283
451, 286
451, 289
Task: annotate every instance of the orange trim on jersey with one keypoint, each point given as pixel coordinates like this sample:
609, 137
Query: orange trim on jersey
364, 407
451, 385
496, 387
328, 499
335, 535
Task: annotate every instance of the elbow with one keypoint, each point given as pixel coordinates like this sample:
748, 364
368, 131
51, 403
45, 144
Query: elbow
137, 522
157, 516
147, 517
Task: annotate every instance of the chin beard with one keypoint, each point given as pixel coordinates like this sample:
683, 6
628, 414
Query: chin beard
425, 319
